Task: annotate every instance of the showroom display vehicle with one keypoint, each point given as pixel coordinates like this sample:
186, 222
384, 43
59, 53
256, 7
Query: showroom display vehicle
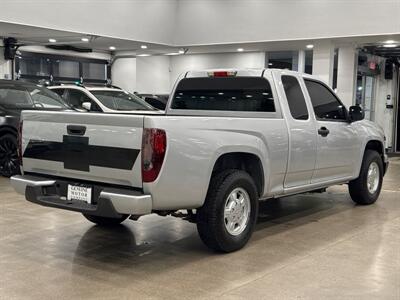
227, 139
16, 96
108, 99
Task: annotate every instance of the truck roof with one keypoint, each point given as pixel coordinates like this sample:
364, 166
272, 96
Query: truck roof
240, 72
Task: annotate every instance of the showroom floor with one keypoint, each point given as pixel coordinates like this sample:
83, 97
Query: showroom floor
316, 246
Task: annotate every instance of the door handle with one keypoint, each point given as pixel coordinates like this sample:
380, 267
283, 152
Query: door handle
76, 129
323, 131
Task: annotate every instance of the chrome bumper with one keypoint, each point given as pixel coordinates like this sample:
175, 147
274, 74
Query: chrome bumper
110, 201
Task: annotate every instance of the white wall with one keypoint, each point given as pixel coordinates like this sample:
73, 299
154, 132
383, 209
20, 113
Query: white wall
141, 20
123, 73
384, 116
153, 74
189, 22
233, 21
183, 63
5, 66
142, 74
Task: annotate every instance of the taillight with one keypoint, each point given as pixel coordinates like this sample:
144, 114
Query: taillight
20, 142
154, 145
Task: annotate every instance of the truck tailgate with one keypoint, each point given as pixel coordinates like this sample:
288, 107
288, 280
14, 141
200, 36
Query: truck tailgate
86, 146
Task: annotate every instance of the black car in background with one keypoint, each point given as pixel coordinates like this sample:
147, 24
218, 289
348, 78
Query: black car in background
157, 101
16, 96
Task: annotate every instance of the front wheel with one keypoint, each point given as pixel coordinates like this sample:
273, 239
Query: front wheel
227, 219
366, 188
104, 221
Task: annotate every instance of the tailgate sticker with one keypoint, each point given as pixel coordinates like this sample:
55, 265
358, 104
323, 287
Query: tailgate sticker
76, 154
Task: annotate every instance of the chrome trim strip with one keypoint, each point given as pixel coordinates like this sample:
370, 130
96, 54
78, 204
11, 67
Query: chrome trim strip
19, 182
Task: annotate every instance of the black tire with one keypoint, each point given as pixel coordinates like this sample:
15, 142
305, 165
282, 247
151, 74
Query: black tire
9, 161
104, 221
358, 188
210, 217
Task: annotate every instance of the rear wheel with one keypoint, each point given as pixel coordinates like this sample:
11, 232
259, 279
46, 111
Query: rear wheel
366, 188
104, 221
227, 219
9, 162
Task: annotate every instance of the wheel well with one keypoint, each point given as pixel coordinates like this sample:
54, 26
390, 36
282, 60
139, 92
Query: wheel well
248, 162
376, 146
8, 130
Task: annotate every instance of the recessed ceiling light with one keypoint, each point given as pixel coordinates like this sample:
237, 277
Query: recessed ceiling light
52, 40
390, 46
143, 47
240, 49
310, 46
389, 42
84, 39
112, 48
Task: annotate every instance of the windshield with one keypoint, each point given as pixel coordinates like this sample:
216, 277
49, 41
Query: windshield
27, 97
121, 100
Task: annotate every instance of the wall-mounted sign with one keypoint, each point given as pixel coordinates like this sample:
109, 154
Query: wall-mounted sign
389, 101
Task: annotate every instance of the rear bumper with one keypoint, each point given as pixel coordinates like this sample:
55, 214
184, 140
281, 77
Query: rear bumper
107, 202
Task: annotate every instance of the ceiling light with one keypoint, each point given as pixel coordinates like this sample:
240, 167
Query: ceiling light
112, 48
52, 40
240, 49
84, 39
310, 46
181, 51
143, 54
143, 47
389, 42
390, 46
173, 53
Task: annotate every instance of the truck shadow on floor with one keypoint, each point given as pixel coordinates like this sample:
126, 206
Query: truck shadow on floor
135, 243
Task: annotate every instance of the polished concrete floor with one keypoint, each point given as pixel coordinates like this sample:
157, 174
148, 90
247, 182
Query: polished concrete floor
318, 246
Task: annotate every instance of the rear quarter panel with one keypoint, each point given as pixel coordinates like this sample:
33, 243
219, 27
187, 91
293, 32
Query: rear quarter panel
194, 144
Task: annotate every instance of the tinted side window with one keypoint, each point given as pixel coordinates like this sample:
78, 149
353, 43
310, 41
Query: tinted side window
60, 92
295, 98
224, 94
325, 103
15, 97
76, 98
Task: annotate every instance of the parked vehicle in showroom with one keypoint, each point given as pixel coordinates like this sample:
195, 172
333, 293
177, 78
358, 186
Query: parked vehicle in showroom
157, 101
16, 96
226, 140
100, 98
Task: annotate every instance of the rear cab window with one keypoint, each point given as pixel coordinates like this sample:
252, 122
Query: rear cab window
229, 94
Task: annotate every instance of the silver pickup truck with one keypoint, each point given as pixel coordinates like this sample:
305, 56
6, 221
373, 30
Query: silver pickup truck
228, 139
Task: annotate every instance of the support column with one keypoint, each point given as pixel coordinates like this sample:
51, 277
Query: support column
323, 55
302, 61
5, 66
347, 74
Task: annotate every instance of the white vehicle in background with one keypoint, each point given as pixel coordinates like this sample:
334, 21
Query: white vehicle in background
226, 140
100, 99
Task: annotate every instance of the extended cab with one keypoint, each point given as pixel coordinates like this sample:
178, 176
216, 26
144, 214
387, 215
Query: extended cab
227, 140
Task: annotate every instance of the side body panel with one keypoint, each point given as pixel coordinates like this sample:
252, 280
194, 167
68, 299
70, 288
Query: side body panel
195, 143
302, 139
338, 152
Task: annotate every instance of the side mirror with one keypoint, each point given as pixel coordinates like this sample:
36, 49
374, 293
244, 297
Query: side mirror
87, 105
356, 113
